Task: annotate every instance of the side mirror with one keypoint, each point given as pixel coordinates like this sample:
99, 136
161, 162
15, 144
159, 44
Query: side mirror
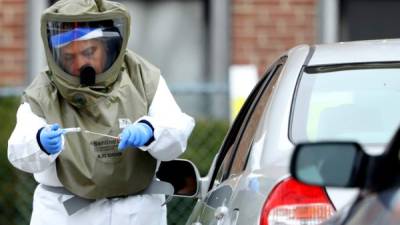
338, 164
182, 174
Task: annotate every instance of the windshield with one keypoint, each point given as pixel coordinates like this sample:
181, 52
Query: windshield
353, 104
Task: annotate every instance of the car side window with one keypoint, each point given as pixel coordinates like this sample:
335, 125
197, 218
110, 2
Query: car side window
227, 150
251, 126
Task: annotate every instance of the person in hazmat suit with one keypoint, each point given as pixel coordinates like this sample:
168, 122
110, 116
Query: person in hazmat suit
94, 84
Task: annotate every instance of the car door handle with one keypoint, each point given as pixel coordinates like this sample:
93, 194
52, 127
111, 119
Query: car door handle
221, 212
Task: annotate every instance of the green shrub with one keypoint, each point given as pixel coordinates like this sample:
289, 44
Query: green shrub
10, 178
204, 143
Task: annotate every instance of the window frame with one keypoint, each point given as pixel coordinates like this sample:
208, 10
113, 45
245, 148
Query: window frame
228, 150
243, 152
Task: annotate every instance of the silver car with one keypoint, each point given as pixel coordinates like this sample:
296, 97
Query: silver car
343, 91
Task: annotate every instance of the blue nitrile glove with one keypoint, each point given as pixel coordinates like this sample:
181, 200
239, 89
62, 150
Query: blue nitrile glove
135, 135
50, 138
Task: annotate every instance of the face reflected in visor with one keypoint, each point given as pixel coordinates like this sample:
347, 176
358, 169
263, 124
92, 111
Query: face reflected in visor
78, 45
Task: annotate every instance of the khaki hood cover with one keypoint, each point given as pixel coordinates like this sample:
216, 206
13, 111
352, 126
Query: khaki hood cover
84, 11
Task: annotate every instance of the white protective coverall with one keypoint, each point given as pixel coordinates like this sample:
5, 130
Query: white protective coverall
171, 130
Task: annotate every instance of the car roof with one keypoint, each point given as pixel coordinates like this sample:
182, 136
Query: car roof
356, 52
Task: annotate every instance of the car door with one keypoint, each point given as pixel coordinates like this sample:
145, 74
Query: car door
233, 155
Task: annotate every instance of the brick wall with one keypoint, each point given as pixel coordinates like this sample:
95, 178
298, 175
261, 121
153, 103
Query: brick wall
13, 53
263, 29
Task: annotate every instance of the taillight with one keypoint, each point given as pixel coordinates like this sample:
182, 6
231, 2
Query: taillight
292, 202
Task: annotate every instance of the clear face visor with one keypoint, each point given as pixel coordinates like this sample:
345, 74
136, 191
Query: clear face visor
81, 48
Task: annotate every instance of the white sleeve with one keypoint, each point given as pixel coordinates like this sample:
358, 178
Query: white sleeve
23, 150
172, 127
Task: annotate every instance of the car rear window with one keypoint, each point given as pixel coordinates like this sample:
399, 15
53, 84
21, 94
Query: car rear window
358, 102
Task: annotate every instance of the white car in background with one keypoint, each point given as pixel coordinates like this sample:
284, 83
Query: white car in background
343, 91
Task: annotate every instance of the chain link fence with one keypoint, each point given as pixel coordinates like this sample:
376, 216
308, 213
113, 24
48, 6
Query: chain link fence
17, 187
